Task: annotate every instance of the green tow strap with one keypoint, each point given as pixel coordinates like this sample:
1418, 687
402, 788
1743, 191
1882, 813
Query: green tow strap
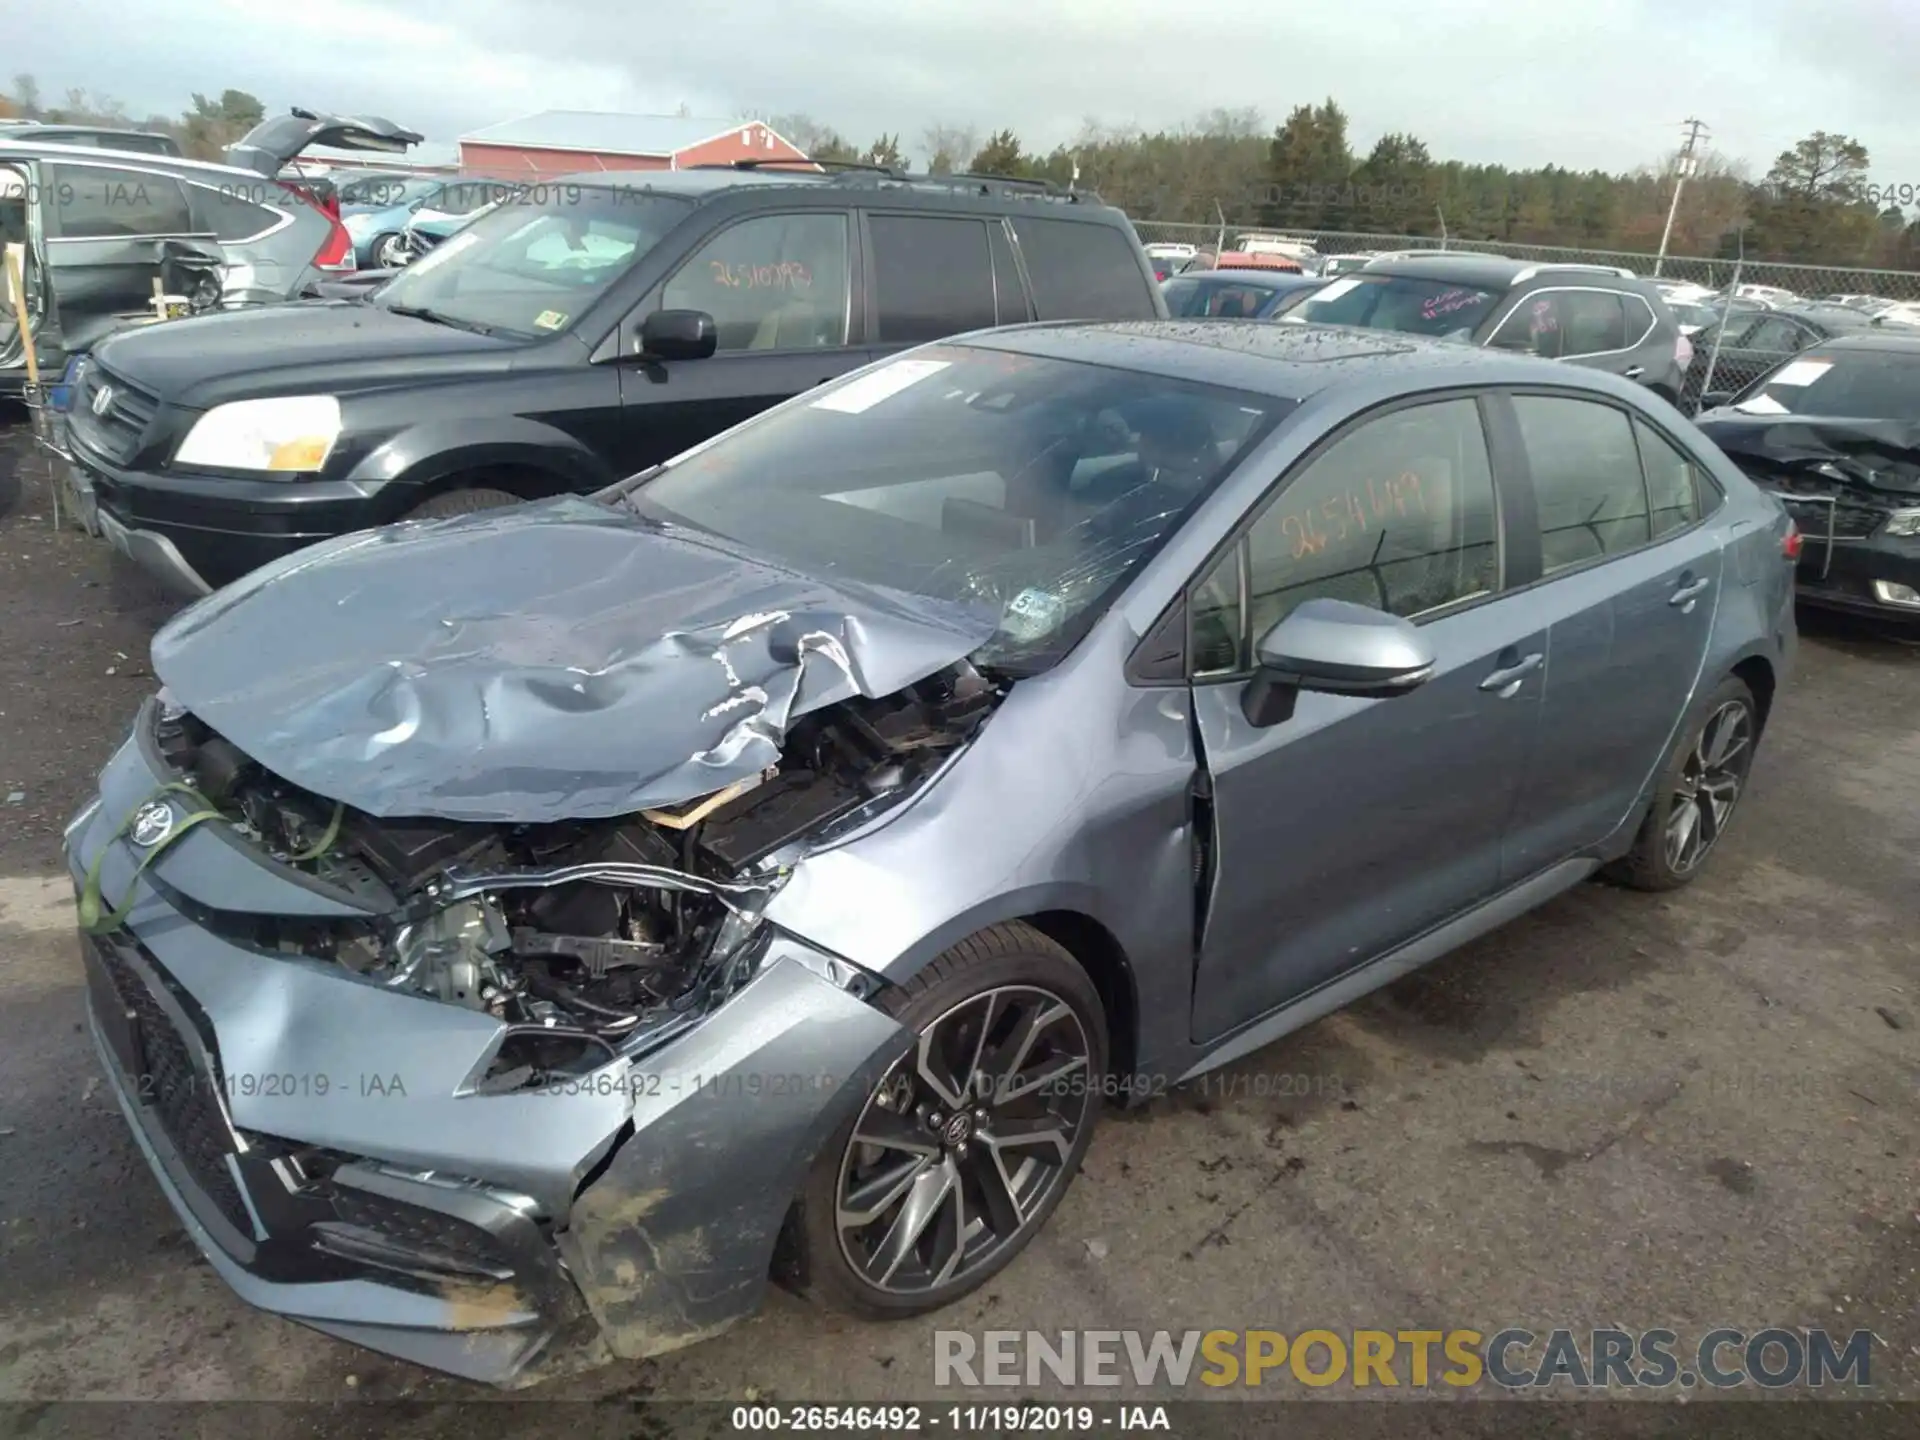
95, 920
327, 836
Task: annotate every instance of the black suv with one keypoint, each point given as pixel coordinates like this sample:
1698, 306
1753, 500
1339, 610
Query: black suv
1593, 315
578, 332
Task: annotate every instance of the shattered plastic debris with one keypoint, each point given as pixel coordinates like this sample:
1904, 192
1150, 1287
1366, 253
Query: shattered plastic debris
549, 661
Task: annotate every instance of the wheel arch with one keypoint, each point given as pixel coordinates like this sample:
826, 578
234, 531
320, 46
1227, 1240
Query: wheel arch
1757, 674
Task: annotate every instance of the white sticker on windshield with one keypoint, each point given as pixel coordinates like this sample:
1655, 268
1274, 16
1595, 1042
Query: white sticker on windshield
1333, 290
1801, 372
1762, 404
1033, 614
859, 396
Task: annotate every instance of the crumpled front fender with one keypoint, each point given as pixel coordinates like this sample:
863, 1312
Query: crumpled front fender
674, 1240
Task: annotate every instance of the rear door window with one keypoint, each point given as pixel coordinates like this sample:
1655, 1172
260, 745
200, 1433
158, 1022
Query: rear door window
932, 277
1586, 479
99, 202
1593, 322
1082, 271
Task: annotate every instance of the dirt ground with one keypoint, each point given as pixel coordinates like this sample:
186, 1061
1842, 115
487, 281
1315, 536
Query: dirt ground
1678, 1111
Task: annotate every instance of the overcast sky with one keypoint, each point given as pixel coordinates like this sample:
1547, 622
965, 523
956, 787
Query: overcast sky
1582, 83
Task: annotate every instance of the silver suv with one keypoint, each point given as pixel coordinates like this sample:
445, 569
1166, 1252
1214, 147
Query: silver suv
98, 228
1592, 315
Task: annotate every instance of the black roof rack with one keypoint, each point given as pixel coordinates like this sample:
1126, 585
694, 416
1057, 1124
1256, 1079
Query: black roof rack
780, 161
831, 170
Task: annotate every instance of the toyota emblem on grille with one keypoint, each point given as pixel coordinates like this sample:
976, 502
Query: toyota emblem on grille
102, 399
152, 823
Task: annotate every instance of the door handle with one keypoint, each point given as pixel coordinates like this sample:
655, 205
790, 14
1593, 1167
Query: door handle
1634, 372
1507, 681
1683, 598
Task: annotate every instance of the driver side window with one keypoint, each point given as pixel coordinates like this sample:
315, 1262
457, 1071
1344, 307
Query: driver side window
776, 282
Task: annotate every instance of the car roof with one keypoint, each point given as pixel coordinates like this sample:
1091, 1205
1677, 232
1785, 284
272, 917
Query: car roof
1235, 275
704, 182
1284, 360
32, 149
1487, 271
1893, 341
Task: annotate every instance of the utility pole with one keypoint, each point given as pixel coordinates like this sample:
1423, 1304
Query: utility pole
1695, 129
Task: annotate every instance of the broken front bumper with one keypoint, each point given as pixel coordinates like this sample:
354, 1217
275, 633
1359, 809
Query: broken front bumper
319, 1137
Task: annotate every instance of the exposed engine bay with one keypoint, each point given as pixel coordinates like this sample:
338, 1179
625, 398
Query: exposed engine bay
587, 936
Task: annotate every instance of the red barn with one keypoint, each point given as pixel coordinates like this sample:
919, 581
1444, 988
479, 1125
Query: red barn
563, 142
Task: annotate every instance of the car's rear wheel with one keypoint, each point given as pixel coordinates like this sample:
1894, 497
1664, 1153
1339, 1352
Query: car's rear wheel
1699, 792
964, 1147
460, 502
389, 252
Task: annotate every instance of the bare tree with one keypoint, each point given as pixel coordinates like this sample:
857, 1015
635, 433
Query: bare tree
948, 147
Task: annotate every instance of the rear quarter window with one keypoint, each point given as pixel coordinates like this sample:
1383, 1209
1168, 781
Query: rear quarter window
1082, 271
226, 216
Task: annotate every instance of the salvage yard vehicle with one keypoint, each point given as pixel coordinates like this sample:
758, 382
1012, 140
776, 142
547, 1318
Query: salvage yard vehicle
575, 333
1593, 316
1835, 433
1730, 354
99, 227
770, 864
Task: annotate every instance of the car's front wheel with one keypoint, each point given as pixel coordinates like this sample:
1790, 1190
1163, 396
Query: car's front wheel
964, 1147
1699, 791
389, 252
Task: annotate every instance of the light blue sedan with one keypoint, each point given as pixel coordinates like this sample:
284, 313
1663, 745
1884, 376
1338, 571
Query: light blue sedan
376, 211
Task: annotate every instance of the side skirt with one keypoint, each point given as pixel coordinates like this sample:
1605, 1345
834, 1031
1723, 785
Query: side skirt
1338, 993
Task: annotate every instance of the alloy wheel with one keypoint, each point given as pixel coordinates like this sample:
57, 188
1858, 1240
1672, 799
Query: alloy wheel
390, 253
1710, 784
965, 1140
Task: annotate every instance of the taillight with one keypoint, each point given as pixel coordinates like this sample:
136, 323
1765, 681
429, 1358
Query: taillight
1683, 352
1791, 542
336, 251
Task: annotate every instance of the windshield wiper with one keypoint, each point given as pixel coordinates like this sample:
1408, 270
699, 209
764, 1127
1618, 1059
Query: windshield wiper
420, 312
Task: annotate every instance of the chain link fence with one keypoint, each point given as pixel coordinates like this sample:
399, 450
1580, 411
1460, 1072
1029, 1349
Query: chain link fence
1773, 280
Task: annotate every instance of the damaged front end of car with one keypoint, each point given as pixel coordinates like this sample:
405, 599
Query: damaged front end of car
448, 1053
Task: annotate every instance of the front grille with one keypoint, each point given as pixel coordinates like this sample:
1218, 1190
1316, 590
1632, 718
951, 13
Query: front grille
177, 1092
1850, 522
117, 430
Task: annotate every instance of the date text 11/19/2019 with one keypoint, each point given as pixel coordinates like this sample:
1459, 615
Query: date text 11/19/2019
958, 1419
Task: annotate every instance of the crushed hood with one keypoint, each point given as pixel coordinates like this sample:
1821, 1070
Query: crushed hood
556, 660
1879, 455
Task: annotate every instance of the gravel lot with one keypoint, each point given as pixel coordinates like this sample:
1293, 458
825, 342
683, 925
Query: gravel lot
1676, 1111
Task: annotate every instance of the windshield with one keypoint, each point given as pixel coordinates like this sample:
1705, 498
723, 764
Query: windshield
1398, 302
1236, 299
1032, 488
1842, 384
533, 264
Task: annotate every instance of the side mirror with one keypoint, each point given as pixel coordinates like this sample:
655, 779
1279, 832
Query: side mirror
1334, 647
1714, 399
678, 335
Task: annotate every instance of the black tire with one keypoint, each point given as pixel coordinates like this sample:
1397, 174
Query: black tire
460, 502
1653, 863
384, 252
1003, 960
